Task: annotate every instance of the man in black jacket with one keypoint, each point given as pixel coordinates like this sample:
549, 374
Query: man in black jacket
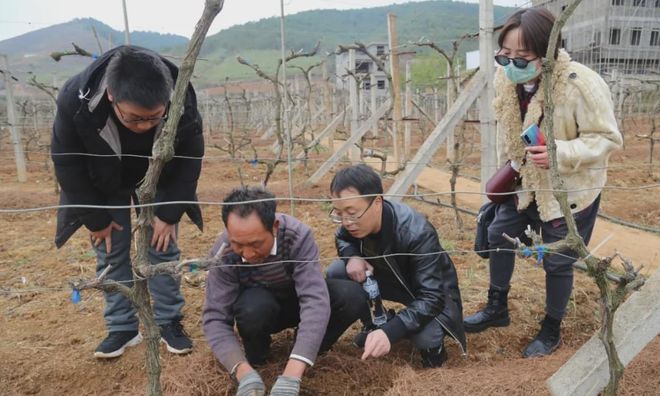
401, 249
108, 117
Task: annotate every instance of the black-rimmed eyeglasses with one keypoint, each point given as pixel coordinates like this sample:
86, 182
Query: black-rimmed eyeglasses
348, 219
138, 120
520, 63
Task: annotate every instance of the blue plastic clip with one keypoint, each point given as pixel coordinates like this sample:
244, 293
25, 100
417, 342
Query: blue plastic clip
526, 252
193, 267
540, 252
75, 296
253, 162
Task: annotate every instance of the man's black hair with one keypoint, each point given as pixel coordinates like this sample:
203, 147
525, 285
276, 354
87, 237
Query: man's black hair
139, 77
360, 177
265, 209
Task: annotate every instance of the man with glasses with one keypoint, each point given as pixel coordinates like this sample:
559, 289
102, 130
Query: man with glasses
269, 279
108, 117
400, 247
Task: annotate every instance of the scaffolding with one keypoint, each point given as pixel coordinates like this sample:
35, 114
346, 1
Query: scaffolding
609, 35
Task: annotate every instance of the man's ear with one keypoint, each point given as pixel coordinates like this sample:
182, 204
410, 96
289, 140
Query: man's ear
110, 97
276, 226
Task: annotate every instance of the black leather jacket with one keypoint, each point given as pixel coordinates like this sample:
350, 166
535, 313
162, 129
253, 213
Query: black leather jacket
430, 280
83, 125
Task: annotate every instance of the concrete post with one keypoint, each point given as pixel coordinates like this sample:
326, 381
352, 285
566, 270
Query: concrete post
396, 87
21, 168
374, 87
486, 114
407, 139
353, 153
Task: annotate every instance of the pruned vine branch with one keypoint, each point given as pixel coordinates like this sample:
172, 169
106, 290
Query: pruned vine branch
57, 55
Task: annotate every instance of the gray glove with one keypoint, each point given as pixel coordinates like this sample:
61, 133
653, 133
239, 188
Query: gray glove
251, 385
286, 386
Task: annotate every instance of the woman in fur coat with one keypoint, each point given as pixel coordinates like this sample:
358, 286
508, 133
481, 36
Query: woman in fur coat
586, 133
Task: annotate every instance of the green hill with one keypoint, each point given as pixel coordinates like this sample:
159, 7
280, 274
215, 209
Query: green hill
439, 21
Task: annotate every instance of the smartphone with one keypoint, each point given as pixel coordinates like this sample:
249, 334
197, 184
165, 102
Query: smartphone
532, 136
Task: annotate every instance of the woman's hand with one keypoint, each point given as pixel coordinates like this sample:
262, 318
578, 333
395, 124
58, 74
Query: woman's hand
539, 156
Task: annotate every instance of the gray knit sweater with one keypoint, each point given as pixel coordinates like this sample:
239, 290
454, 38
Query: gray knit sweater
294, 242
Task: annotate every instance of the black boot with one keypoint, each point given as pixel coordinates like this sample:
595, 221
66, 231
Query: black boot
434, 357
495, 314
546, 341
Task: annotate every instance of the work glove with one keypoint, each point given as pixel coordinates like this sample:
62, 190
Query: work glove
251, 385
286, 386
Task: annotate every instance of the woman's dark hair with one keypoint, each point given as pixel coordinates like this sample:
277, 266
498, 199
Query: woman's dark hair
535, 25
139, 76
238, 205
360, 177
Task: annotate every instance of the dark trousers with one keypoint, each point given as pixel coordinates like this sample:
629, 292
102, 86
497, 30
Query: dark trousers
430, 336
558, 267
259, 313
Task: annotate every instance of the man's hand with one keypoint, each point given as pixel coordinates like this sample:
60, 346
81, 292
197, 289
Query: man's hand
285, 386
251, 384
377, 344
356, 268
294, 368
163, 234
105, 235
539, 156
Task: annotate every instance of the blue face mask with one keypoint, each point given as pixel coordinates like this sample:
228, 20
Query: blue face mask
520, 76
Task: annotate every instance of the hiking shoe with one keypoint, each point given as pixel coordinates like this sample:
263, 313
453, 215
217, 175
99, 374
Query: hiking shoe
547, 341
116, 342
433, 357
175, 338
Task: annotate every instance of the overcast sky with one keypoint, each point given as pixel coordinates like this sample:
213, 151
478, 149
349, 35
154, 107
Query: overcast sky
164, 16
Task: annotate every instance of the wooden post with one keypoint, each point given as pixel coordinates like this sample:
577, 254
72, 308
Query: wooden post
437, 137
373, 89
329, 130
353, 153
327, 165
396, 87
21, 169
486, 114
408, 113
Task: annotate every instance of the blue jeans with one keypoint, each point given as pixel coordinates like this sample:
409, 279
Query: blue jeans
558, 268
119, 313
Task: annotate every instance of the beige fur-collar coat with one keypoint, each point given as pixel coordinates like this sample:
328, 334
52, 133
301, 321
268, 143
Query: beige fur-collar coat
585, 129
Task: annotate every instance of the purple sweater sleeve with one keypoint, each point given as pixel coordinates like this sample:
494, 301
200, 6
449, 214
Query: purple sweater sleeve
313, 298
223, 287
222, 290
